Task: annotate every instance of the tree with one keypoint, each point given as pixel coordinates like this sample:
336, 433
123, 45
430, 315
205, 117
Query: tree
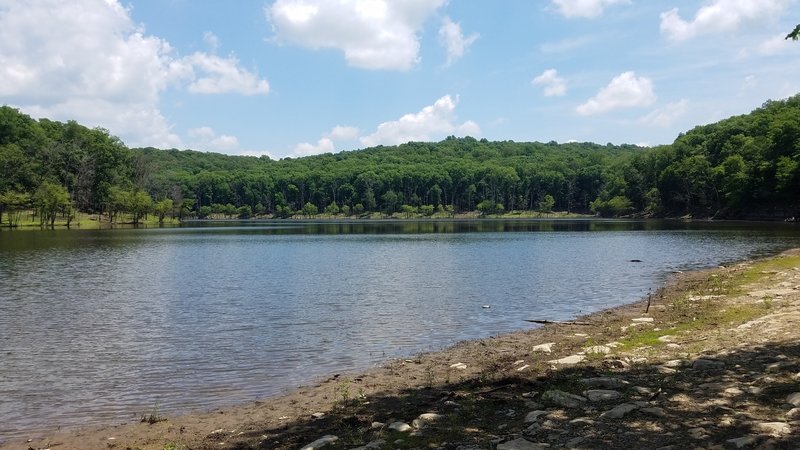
310, 210
13, 203
162, 208
332, 209
141, 204
50, 200
547, 203
244, 212
795, 34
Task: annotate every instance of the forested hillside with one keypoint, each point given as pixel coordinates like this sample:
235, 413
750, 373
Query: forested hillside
744, 166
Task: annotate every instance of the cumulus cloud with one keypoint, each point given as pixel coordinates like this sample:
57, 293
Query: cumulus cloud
87, 60
326, 144
584, 8
373, 34
431, 123
625, 90
719, 16
204, 138
552, 83
222, 75
453, 40
664, 117
777, 45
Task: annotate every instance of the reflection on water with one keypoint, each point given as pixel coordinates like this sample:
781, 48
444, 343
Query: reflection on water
97, 326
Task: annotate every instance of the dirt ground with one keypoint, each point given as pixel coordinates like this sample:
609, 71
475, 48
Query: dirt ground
713, 363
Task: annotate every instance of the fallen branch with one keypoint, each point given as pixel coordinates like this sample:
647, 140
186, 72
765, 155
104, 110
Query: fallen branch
557, 322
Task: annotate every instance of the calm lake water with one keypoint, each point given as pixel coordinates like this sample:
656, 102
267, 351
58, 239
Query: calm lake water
98, 326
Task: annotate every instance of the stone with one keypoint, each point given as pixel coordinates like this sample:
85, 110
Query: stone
663, 370
674, 363
707, 364
377, 425
400, 426
619, 411
430, 417
574, 442
374, 445
318, 415
793, 413
460, 366
321, 442
521, 444
574, 359
564, 399
598, 349
776, 429
654, 411
601, 395
544, 348
604, 383
533, 416
698, 433
642, 320
641, 390
793, 399
743, 441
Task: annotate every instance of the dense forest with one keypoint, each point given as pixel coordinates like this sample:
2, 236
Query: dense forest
743, 167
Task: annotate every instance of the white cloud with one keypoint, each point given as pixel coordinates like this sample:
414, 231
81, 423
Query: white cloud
222, 75
326, 143
431, 123
552, 83
584, 8
453, 40
211, 39
664, 117
373, 34
625, 90
87, 60
719, 16
343, 133
776, 45
204, 138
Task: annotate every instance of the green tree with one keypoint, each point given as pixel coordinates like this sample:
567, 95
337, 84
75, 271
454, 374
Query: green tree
794, 34
50, 200
547, 203
310, 210
244, 212
162, 208
332, 209
140, 205
13, 203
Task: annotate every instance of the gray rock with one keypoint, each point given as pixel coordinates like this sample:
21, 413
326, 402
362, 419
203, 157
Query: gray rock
793, 413
604, 383
641, 390
664, 370
544, 348
743, 441
601, 395
321, 442
400, 426
776, 429
374, 445
598, 349
573, 359
425, 419
377, 425
574, 442
619, 411
654, 411
564, 399
533, 416
707, 364
521, 444
674, 363
793, 399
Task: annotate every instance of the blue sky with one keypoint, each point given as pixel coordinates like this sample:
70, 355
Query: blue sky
299, 77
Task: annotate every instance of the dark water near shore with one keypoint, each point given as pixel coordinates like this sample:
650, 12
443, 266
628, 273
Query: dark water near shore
98, 326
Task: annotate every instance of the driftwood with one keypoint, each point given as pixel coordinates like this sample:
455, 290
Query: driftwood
557, 322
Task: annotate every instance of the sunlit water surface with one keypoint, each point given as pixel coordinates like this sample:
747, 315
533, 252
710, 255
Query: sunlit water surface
99, 326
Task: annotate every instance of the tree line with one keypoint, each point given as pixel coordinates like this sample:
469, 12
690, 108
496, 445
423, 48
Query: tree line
744, 166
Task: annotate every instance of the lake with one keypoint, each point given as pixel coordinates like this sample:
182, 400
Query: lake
99, 326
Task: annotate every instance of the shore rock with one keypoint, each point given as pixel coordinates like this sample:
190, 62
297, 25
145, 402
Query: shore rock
574, 359
321, 442
707, 364
533, 416
544, 348
564, 399
601, 395
400, 426
521, 444
793, 399
619, 411
604, 383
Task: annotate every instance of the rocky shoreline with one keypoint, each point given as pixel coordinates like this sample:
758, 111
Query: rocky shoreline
714, 363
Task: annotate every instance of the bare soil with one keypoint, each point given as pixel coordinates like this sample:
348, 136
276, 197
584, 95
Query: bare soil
712, 364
